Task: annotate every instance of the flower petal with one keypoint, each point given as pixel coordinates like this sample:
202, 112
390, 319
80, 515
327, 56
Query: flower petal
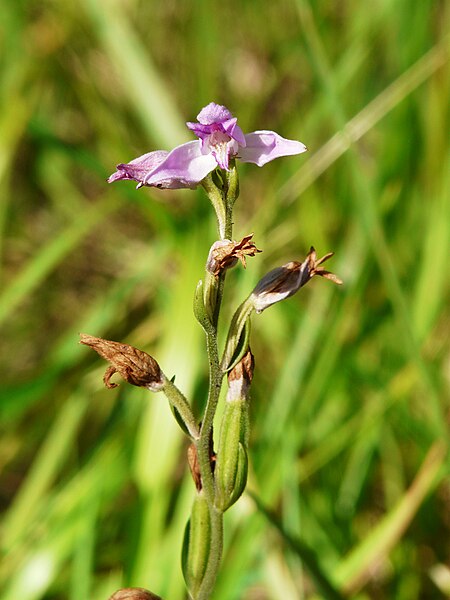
138, 168
213, 113
231, 128
185, 163
201, 131
264, 146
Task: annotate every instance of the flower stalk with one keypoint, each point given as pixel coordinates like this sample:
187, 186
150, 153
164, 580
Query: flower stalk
218, 467
181, 408
213, 297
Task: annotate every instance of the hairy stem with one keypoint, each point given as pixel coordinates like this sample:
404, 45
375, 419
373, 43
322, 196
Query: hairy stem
229, 197
223, 201
204, 459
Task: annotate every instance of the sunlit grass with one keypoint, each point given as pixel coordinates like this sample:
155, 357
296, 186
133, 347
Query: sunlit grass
349, 411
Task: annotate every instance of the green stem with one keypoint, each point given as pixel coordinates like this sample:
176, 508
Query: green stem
204, 459
215, 555
232, 188
222, 201
181, 405
203, 444
230, 194
217, 200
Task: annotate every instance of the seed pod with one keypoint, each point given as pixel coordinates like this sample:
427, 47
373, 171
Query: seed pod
230, 474
196, 545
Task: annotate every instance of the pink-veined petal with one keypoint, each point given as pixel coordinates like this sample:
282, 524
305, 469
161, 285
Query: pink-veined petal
264, 146
184, 163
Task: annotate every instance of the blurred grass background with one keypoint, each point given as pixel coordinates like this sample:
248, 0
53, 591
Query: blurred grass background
350, 403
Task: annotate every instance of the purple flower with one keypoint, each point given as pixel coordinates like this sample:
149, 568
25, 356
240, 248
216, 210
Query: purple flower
220, 139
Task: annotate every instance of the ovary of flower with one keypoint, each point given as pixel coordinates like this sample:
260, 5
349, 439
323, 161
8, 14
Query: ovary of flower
220, 140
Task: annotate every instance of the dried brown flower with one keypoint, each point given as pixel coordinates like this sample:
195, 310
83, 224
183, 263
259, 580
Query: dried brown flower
315, 269
282, 282
194, 465
134, 594
244, 369
135, 366
225, 254
240, 377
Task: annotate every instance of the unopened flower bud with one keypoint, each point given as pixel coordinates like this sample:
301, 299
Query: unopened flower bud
135, 366
230, 473
283, 282
134, 594
196, 544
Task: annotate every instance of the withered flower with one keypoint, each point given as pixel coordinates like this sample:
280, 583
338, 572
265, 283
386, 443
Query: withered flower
240, 377
315, 269
225, 254
135, 366
134, 594
282, 282
194, 466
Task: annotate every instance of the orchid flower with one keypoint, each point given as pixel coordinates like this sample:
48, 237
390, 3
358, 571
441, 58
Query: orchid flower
220, 140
